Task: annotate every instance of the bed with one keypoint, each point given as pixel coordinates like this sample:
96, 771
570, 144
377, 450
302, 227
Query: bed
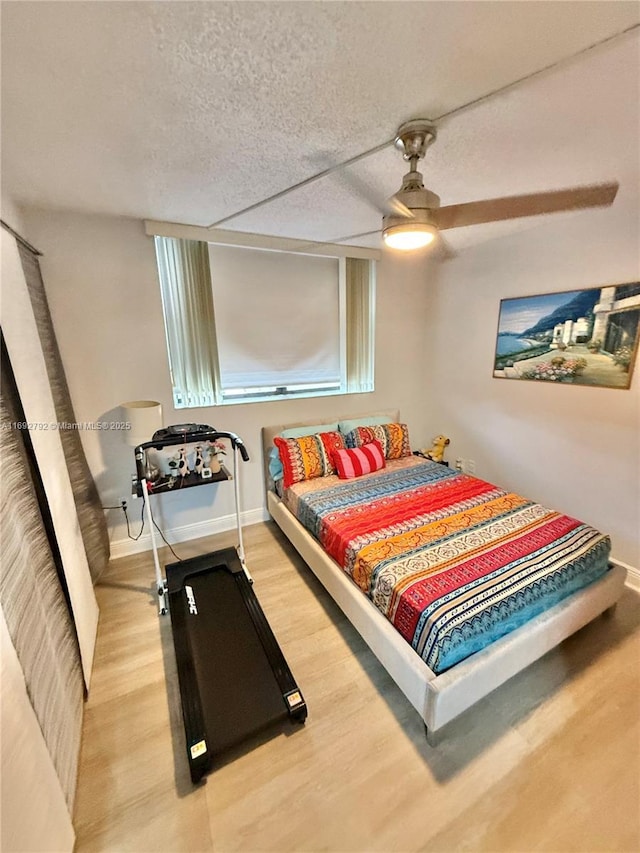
455, 584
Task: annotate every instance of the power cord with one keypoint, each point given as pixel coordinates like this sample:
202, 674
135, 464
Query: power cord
123, 507
179, 559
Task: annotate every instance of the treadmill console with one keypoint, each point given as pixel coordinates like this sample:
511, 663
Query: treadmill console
181, 430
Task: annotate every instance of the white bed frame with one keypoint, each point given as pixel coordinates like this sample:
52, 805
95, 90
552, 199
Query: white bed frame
440, 698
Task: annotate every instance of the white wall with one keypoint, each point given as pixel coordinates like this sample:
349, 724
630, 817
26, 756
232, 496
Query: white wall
12, 214
101, 282
576, 449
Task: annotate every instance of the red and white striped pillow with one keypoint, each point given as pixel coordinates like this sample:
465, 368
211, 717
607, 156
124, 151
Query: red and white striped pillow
357, 461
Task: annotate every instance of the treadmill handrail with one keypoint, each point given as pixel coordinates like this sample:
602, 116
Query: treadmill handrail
194, 438
186, 438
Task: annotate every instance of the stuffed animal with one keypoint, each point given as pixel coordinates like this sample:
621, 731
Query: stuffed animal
436, 453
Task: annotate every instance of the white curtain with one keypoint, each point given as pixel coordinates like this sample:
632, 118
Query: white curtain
185, 282
361, 298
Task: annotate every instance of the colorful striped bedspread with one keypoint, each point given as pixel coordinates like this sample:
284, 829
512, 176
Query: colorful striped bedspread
453, 562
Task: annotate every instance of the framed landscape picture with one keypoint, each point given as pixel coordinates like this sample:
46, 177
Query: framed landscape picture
579, 337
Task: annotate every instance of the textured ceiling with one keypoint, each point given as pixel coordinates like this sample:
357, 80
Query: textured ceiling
188, 112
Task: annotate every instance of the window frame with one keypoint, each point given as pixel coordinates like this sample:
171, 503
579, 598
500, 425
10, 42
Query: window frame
281, 245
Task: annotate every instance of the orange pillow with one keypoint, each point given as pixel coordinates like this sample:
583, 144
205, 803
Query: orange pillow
394, 439
308, 456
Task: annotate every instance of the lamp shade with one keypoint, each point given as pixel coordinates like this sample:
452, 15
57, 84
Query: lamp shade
145, 417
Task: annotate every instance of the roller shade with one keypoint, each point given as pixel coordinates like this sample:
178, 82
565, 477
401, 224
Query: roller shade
277, 318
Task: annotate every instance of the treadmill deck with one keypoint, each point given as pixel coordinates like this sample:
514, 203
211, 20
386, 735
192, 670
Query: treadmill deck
234, 680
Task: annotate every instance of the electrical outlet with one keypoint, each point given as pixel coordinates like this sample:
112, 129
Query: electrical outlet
459, 464
470, 467
123, 502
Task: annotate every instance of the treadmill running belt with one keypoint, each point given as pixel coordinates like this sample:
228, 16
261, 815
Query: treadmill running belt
234, 680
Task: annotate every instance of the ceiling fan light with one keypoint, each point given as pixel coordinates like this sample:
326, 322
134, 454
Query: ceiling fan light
409, 236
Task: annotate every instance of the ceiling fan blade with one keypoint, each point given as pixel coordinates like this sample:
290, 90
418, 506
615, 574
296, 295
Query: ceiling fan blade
514, 207
355, 236
394, 207
361, 189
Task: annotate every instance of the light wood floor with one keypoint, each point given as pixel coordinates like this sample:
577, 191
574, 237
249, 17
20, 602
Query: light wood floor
550, 761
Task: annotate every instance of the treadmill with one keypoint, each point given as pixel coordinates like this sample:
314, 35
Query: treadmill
234, 680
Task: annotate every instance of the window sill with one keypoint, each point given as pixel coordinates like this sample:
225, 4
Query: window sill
274, 398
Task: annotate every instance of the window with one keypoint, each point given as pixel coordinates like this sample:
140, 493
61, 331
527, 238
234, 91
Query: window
277, 321
251, 324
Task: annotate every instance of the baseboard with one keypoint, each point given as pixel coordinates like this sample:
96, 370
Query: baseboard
633, 575
125, 547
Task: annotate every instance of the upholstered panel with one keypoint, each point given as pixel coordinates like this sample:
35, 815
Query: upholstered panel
85, 494
33, 601
25, 350
35, 817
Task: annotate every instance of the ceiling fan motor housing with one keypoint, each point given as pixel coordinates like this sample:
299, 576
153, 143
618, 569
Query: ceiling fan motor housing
420, 218
414, 137
422, 203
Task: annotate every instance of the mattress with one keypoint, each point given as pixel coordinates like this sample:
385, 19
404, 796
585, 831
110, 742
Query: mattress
453, 562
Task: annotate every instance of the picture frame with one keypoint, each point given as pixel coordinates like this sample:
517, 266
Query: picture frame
576, 337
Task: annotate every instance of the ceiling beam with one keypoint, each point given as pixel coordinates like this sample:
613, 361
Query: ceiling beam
257, 241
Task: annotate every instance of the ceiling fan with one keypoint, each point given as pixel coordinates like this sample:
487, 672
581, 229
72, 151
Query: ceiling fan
412, 217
